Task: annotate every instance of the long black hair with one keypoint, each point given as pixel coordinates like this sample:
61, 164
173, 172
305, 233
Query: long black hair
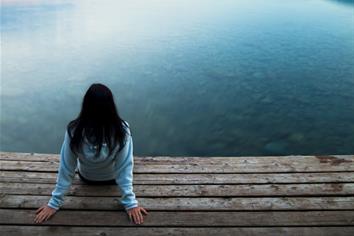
98, 121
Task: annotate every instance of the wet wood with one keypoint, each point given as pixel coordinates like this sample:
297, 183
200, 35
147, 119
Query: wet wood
290, 195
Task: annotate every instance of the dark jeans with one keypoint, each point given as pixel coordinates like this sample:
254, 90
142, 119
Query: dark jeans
94, 182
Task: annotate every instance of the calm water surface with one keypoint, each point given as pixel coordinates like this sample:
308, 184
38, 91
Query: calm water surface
192, 77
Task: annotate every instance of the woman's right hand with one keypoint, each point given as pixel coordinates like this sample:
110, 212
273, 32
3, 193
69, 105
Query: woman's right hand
135, 214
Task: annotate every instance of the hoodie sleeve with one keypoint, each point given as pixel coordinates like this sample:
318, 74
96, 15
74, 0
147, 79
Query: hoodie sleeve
66, 173
124, 169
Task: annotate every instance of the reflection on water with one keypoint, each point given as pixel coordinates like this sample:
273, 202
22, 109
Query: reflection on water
348, 2
201, 77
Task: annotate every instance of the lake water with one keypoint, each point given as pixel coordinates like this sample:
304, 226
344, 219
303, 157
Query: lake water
192, 77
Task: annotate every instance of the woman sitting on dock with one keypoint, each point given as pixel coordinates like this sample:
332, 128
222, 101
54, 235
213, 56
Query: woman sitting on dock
99, 144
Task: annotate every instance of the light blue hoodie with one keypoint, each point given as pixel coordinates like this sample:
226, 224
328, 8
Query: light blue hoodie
118, 166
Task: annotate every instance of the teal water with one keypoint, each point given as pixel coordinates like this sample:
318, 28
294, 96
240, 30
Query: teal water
192, 77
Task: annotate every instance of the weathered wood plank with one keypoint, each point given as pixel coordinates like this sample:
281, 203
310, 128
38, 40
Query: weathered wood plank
22, 156
334, 159
176, 231
188, 167
191, 178
189, 190
214, 164
180, 218
204, 192
187, 203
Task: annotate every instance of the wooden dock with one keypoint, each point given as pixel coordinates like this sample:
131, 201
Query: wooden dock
287, 195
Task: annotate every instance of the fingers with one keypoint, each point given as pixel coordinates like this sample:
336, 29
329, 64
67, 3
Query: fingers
39, 218
48, 217
144, 211
130, 217
39, 209
138, 217
43, 215
133, 215
134, 218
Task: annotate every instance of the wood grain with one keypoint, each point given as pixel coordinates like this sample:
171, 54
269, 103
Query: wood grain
175, 231
288, 195
192, 178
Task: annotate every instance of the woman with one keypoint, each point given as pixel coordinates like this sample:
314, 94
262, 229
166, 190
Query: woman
99, 143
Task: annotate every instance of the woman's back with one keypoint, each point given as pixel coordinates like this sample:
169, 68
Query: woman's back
100, 166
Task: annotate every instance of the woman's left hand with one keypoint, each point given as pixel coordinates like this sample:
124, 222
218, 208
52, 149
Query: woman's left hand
44, 213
